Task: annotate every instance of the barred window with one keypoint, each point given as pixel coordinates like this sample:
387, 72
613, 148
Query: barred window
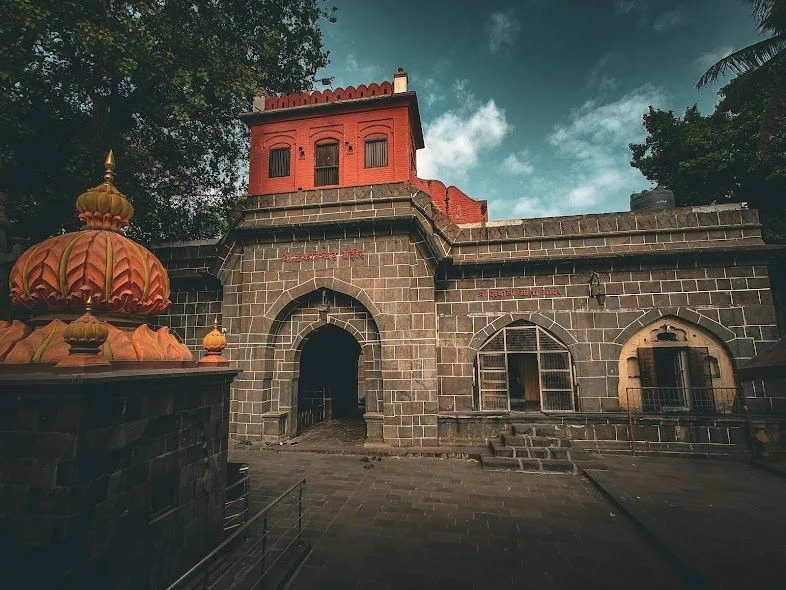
279, 162
326, 164
376, 153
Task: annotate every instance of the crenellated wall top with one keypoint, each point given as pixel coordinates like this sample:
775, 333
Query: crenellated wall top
318, 97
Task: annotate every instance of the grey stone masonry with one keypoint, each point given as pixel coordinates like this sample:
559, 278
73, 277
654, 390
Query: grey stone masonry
111, 480
421, 295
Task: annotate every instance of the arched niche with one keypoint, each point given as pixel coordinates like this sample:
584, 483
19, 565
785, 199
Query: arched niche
674, 365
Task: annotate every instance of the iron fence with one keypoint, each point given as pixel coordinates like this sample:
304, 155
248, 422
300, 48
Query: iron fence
684, 400
236, 501
693, 402
260, 554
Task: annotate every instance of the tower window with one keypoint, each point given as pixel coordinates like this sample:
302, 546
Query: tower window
279, 162
326, 164
376, 153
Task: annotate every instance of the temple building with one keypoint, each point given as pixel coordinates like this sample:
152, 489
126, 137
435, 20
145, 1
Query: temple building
350, 287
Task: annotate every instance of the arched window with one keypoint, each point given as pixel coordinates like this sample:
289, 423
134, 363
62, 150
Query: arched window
524, 367
326, 163
673, 366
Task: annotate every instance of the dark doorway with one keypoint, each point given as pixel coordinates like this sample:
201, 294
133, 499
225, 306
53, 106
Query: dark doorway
524, 382
675, 378
328, 381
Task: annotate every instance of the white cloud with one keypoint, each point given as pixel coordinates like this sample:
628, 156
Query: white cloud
598, 79
527, 207
518, 164
705, 60
660, 23
503, 29
455, 140
430, 92
358, 73
625, 6
594, 141
668, 21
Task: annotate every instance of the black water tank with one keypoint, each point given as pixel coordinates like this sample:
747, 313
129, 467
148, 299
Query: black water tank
657, 198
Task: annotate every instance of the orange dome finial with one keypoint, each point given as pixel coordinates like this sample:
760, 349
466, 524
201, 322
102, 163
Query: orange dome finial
215, 342
85, 335
104, 206
109, 167
59, 274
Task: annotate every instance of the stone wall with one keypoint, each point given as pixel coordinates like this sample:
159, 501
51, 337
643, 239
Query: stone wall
728, 298
111, 480
436, 291
386, 283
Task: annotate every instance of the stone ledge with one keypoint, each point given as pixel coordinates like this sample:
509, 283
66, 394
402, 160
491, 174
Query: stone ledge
124, 375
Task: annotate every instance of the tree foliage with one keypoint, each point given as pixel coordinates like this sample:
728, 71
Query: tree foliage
762, 64
713, 159
161, 83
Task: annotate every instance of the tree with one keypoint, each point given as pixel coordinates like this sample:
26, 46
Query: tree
713, 158
161, 83
762, 64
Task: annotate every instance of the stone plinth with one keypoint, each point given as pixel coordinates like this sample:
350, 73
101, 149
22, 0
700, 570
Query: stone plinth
111, 480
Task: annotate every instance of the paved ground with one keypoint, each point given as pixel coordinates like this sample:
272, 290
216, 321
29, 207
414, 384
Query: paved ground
725, 521
445, 523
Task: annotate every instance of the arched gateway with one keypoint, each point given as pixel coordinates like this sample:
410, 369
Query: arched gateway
326, 360
327, 382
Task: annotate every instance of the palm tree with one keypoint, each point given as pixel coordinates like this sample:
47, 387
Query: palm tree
759, 66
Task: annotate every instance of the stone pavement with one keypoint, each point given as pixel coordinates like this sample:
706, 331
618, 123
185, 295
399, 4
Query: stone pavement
445, 523
725, 522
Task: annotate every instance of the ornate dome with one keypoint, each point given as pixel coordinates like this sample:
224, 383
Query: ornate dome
98, 262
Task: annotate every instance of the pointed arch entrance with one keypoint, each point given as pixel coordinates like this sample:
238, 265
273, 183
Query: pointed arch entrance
327, 382
318, 337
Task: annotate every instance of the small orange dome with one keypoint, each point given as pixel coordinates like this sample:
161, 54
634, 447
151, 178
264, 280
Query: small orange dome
214, 342
86, 331
60, 274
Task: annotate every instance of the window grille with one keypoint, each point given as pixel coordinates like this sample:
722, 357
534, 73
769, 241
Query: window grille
279, 162
326, 164
376, 153
555, 370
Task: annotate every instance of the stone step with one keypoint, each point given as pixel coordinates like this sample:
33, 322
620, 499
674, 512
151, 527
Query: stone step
529, 465
535, 429
529, 440
499, 449
590, 463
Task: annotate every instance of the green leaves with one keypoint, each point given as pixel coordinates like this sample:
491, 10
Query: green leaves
714, 158
161, 83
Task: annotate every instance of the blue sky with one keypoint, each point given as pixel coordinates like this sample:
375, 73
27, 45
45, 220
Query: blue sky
531, 104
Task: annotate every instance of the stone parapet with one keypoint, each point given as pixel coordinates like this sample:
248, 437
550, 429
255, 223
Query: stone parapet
111, 480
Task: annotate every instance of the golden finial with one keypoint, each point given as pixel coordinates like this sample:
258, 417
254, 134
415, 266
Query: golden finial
109, 166
215, 342
89, 305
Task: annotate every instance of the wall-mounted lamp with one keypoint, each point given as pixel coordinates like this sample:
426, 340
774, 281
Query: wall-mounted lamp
301, 152
323, 308
597, 290
349, 147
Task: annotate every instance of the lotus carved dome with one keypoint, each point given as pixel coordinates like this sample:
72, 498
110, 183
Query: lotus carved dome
100, 266
99, 262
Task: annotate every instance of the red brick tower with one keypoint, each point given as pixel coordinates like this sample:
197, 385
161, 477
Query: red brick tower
342, 138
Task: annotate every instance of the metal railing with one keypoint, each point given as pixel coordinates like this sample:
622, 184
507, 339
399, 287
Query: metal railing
260, 554
236, 496
684, 400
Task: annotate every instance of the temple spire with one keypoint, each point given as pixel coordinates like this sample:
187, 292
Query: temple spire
109, 167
